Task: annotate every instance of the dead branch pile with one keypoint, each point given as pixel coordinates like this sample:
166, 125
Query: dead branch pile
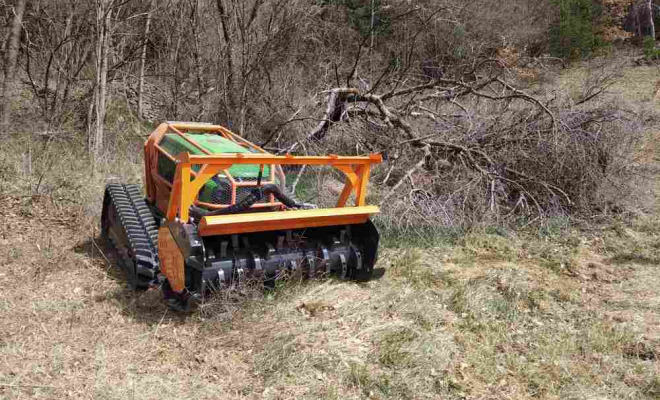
460, 154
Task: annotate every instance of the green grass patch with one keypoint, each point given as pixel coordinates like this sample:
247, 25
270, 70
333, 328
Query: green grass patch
411, 267
392, 347
368, 383
398, 237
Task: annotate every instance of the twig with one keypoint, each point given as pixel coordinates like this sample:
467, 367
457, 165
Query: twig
492, 195
29, 386
530, 222
159, 323
387, 177
100, 251
418, 139
517, 94
333, 114
427, 153
91, 267
595, 94
295, 182
549, 187
291, 119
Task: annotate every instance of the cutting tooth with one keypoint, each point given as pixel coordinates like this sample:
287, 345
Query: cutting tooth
257, 262
344, 266
240, 273
210, 254
358, 256
223, 249
325, 257
271, 251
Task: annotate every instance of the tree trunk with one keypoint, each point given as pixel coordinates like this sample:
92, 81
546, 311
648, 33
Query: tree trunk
177, 82
638, 25
197, 52
56, 104
102, 24
143, 61
649, 6
7, 85
229, 74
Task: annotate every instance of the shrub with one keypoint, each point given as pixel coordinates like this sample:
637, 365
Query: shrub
650, 51
580, 167
572, 36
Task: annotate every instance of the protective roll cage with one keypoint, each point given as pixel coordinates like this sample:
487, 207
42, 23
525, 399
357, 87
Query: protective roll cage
194, 171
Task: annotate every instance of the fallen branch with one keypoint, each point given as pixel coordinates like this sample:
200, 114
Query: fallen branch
333, 114
408, 175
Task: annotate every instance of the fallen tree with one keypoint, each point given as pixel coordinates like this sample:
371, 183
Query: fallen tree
463, 153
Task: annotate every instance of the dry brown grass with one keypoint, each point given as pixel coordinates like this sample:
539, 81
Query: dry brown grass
634, 86
491, 317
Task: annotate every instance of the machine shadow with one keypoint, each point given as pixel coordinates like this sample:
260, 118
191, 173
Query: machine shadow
145, 307
148, 306
378, 274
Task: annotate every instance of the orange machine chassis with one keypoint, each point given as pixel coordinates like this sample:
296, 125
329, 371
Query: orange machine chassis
181, 252
183, 192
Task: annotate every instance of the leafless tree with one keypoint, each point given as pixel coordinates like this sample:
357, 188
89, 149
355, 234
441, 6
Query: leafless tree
143, 60
650, 22
435, 85
103, 20
59, 48
11, 54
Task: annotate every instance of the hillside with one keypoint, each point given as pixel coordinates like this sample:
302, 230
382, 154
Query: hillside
560, 312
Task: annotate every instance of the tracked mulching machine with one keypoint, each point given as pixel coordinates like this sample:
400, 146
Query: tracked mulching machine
217, 213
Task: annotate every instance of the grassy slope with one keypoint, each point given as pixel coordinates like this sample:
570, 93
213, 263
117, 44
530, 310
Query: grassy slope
561, 315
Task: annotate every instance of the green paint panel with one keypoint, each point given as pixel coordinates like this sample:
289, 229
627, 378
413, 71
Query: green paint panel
215, 144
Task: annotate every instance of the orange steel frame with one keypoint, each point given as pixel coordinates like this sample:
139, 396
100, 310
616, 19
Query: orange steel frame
187, 183
277, 221
156, 184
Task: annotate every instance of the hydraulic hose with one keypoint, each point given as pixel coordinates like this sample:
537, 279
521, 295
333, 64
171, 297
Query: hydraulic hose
256, 195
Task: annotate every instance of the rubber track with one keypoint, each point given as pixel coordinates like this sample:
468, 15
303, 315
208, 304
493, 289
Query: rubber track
141, 229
